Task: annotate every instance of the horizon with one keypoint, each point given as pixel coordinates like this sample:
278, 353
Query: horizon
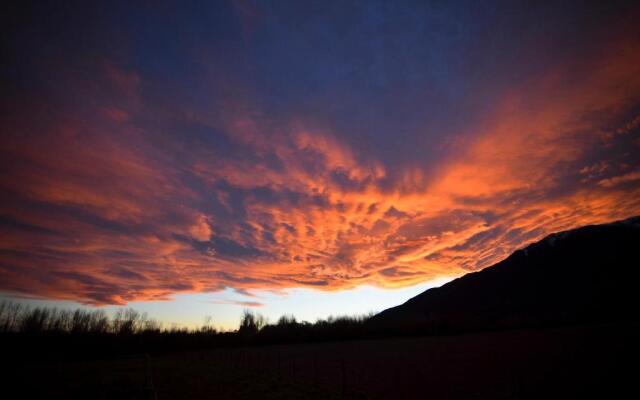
223, 310
299, 158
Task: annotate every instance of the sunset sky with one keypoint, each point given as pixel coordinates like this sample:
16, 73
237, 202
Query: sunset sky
303, 157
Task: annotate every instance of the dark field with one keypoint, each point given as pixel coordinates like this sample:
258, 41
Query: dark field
572, 362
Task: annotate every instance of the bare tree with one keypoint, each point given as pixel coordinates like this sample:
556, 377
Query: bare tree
126, 321
207, 326
251, 323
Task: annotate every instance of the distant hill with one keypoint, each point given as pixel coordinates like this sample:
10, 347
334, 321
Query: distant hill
584, 275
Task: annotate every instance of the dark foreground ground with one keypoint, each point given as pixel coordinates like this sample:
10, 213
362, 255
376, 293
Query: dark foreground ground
571, 362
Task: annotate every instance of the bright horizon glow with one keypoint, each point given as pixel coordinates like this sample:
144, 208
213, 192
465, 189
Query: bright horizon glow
225, 307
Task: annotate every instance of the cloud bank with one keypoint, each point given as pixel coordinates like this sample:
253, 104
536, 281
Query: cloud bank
249, 152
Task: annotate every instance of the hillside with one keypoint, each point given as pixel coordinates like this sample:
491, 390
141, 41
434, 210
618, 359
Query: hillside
589, 274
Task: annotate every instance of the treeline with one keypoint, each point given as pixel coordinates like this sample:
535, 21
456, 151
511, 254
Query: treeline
287, 329
49, 333
45, 333
28, 333
16, 318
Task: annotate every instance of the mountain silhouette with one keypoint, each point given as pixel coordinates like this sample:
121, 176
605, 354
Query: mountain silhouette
585, 275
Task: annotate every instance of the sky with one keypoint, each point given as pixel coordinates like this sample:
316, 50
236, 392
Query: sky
305, 157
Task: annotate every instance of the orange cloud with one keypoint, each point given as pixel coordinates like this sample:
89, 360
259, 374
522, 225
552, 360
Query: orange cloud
101, 208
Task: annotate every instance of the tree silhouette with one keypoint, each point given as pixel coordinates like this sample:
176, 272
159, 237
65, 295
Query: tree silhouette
251, 323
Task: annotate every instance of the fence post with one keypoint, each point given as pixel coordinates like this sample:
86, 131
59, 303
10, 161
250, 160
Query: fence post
315, 370
293, 367
278, 368
148, 379
343, 371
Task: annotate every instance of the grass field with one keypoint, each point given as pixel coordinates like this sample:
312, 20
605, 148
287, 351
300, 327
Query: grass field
571, 362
